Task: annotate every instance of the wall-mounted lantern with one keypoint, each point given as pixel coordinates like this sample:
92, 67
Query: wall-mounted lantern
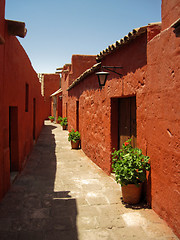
102, 76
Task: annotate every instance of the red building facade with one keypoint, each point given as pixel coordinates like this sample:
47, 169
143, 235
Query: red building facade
162, 115
79, 63
49, 84
98, 111
21, 103
56, 104
142, 104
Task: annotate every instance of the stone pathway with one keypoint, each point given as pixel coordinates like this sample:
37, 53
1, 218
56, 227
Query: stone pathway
62, 195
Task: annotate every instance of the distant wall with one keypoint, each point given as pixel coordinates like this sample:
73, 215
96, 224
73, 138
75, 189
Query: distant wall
51, 85
64, 85
79, 63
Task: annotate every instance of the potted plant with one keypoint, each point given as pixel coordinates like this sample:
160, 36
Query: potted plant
59, 119
130, 166
51, 118
74, 137
64, 123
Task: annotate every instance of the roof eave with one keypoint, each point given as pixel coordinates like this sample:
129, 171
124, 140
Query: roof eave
88, 72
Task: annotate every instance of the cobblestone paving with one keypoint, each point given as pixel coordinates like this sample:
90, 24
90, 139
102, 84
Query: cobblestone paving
62, 195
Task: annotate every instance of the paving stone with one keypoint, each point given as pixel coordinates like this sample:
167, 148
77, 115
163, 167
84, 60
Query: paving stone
61, 235
129, 233
86, 222
62, 194
94, 198
30, 235
6, 235
99, 234
110, 222
89, 211
5, 224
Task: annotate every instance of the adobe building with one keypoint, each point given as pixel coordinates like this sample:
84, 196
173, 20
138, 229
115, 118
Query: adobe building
64, 85
79, 63
50, 82
56, 104
21, 103
139, 101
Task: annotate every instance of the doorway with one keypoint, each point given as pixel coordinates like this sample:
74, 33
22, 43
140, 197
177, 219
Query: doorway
123, 121
34, 119
66, 110
77, 115
127, 120
13, 139
55, 107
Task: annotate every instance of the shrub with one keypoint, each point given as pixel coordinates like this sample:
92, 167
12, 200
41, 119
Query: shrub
130, 165
51, 117
60, 119
64, 121
73, 135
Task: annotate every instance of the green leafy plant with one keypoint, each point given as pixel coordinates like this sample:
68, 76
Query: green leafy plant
74, 135
129, 165
64, 122
60, 119
51, 117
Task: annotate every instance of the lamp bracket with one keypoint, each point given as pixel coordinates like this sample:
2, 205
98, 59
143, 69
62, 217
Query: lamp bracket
112, 69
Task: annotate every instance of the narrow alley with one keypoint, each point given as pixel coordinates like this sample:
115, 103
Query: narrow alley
61, 194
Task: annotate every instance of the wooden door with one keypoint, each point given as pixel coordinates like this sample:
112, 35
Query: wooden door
55, 107
34, 118
13, 138
127, 120
77, 115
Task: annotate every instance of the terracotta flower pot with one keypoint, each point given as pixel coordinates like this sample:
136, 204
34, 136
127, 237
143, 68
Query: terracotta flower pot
75, 145
64, 127
131, 193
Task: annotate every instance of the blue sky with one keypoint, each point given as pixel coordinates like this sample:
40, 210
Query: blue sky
59, 28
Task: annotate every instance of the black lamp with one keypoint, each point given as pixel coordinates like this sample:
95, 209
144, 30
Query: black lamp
102, 77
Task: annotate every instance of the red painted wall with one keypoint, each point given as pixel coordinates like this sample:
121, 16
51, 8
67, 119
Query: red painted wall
95, 103
64, 85
151, 73
58, 112
15, 73
51, 85
2, 13
79, 63
161, 118
170, 11
2, 4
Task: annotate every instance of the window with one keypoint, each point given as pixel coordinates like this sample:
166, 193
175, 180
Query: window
27, 97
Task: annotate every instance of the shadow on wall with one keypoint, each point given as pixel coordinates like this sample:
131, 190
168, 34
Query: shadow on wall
31, 209
131, 56
90, 83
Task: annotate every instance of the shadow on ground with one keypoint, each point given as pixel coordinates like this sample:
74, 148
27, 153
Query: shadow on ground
31, 209
138, 206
